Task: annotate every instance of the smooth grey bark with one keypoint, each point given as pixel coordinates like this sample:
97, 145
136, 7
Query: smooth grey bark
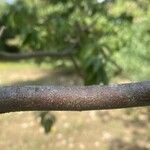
74, 98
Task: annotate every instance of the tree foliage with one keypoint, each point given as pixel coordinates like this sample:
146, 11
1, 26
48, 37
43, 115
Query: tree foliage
97, 30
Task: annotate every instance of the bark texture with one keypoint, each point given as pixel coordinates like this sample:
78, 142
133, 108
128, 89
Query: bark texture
74, 98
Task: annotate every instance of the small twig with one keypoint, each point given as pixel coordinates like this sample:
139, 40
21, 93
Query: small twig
2, 29
77, 67
119, 69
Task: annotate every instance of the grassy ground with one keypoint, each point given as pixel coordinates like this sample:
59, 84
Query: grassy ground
126, 129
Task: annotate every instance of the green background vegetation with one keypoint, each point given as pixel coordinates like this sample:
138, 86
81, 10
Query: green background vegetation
101, 34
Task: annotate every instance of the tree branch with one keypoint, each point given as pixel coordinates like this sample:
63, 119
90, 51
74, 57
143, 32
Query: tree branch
77, 67
74, 98
39, 54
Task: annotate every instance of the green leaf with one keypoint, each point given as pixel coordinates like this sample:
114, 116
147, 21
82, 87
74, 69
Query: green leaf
47, 120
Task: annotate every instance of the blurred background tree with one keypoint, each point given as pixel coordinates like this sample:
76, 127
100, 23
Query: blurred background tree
100, 33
